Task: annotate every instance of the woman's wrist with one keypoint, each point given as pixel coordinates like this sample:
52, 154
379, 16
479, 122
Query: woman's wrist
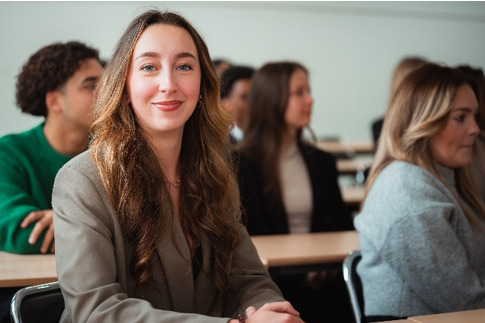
239, 319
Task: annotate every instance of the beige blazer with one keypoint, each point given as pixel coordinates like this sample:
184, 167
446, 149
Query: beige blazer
93, 259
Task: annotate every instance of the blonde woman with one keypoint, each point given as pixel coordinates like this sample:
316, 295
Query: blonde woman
478, 160
147, 222
422, 227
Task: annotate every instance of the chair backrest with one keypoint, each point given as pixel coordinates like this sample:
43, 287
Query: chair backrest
354, 285
40, 303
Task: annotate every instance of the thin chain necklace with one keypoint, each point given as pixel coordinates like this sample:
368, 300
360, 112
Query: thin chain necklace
175, 184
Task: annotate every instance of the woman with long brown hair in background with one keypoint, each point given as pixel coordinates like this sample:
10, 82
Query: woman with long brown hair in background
288, 185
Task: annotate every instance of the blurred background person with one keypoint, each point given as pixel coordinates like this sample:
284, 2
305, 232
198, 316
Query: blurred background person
220, 65
478, 161
422, 227
287, 185
235, 85
57, 83
406, 65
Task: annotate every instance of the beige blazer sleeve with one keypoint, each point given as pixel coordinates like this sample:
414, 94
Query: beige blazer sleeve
93, 260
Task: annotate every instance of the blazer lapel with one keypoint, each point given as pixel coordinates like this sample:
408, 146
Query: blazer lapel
177, 269
206, 292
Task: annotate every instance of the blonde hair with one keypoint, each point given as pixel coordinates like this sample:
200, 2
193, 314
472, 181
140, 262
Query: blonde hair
132, 176
418, 110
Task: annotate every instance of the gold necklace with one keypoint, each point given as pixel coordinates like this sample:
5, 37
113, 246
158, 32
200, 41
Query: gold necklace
175, 184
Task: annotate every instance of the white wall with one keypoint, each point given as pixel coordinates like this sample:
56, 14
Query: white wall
350, 48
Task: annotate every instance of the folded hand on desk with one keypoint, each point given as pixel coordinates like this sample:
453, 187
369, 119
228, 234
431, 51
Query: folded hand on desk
272, 312
44, 220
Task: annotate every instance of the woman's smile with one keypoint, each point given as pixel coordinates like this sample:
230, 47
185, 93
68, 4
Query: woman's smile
167, 105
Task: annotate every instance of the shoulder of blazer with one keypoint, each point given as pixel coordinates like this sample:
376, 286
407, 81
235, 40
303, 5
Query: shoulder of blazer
310, 152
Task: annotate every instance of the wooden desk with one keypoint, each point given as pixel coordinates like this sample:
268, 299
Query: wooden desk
347, 147
353, 165
353, 195
26, 270
306, 249
276, 251
473, 316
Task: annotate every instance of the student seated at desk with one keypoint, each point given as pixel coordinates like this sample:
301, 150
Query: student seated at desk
148, 220
404, 67
57, 82
287, 185
478, 157
235, 85
422, 227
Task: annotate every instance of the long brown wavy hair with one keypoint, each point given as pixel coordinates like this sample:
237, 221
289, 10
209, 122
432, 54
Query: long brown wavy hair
418, 110
132, 176
265, 126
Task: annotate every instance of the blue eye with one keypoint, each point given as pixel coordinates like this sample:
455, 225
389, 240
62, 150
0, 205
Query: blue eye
460, 118
147, 68
185, 67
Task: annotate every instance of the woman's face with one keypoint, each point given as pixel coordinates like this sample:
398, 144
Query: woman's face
452, 146
299, 109
164, 76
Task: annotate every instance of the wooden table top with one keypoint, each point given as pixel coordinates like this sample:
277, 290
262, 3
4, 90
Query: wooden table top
353, 195
473, 316
305, 249
353, 165
351, 147
275, 250
26, 270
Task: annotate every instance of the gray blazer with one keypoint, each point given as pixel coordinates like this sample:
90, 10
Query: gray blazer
93, 263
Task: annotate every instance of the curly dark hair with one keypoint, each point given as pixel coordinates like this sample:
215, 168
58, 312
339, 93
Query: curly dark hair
47, 70
231, 76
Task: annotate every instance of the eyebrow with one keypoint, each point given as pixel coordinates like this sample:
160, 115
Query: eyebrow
154, 54
465, 109
90, 79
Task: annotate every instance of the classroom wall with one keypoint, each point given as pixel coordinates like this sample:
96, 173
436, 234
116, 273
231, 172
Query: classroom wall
350, 48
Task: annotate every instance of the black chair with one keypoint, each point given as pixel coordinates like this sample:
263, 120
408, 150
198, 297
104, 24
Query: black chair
354, 285
40, 304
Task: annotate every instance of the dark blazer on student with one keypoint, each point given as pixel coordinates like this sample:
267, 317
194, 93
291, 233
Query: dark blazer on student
329, 212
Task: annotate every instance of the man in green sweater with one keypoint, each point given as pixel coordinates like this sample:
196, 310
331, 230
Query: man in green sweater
58, 83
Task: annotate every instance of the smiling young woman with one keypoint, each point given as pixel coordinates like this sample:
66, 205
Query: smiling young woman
148, 222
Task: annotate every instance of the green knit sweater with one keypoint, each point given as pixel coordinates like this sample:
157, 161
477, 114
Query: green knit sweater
28, 167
